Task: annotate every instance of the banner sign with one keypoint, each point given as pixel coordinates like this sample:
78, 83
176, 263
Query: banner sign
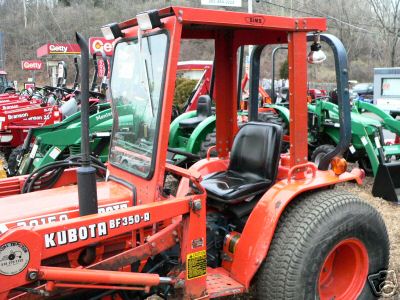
31, 65
29, 85
57, 48
101, 44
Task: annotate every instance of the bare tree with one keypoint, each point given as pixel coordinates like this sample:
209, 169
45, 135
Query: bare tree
387, 17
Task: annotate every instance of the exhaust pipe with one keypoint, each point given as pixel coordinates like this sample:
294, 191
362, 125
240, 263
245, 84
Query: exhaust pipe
86, 174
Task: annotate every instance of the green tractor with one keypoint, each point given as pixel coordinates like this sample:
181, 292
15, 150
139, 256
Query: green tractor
368, 147
5, 85
60, 141
47, 144
193, 132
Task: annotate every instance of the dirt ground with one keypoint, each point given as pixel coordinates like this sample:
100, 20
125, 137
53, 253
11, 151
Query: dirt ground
390, 213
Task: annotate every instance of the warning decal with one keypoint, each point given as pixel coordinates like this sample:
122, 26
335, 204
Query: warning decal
14, 257
196, 264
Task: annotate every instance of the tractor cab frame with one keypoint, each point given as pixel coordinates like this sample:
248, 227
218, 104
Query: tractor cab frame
156, 222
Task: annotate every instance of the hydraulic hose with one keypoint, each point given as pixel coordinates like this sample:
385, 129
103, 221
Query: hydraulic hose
46, 176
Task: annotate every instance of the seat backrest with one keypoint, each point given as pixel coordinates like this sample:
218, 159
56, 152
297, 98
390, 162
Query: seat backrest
256, 150
204, 106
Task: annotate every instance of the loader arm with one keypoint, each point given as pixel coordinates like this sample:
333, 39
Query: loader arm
45, 241
388, 121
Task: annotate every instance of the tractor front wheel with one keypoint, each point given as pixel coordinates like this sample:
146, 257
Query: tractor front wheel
365, 164
325, 246
13, 163
320, 152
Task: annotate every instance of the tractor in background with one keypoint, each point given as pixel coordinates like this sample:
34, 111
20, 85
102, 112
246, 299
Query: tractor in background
193, 132
283, 224
47, 144
368, 146
57, 142
6, 87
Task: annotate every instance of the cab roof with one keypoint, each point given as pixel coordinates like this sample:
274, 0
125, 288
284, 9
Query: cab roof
198, 18
3, 72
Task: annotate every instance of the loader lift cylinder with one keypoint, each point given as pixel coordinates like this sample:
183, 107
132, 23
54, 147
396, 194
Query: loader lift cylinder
86, 174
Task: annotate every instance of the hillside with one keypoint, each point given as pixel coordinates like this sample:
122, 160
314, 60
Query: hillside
369, 44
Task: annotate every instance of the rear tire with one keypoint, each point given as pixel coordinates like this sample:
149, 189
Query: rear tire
274, 118
209, 141
310, 228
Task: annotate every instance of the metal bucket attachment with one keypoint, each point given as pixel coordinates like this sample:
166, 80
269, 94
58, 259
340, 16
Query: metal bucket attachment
387, 182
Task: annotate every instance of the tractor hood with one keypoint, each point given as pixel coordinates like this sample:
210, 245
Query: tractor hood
58, 204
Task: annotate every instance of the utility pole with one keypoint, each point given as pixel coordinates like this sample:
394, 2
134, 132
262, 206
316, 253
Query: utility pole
291, 8
25, 19
2, 54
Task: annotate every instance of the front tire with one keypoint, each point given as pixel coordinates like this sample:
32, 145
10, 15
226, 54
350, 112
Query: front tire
13, 160
315, 226
320, 152
365, 164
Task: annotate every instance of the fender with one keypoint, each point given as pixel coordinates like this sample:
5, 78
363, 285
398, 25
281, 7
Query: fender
282, 111
199, 134
253, 245
203, 167
258, 232
174, 127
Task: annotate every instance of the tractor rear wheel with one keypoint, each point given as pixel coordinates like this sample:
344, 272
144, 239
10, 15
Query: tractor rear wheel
209, 141
325, 246
274, 118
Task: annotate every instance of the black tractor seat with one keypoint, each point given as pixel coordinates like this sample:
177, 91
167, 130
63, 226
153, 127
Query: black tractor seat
203, 112
253, 165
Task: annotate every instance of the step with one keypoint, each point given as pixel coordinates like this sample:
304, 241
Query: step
220, 284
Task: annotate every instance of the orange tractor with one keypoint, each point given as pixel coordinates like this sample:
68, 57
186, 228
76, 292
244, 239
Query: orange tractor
249, 216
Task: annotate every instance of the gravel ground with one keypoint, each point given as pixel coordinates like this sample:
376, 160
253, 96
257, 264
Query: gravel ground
390, 213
